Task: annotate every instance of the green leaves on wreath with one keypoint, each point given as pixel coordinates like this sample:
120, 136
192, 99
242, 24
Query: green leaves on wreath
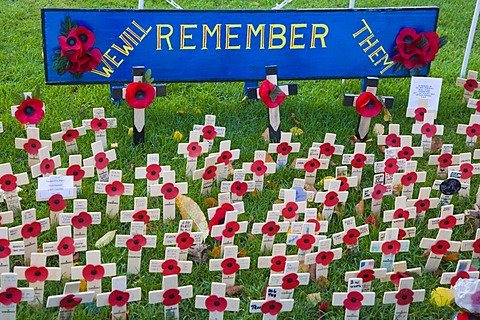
67, 26
147, 77
60, 63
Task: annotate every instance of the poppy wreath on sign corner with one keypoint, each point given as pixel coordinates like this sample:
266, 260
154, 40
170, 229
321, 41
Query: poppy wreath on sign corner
30, 108
416, 50
140, 95
76, 54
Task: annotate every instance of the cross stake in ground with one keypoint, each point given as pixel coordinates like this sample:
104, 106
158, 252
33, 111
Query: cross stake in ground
119, 297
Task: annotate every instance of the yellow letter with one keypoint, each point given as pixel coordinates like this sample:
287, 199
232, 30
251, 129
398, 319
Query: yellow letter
319, 36
386, 63
206, 30
106, 71
375, 53
366, 27
367, 40
251, 30
229, 36
294, 36
112, 59
126, 48
280, 36
166, 37
186, 36
145, 32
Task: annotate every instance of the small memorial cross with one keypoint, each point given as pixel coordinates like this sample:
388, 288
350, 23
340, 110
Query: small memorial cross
328, 146
354, 299
462, 271
311, 216
32, 144
100, 160
419, 112
400, 271
99, 124
11, 295
229, 265
152, 172
229, 228
276, 262
331, 198
6, 217
350, 234
390, 165
358, 160
69, 134
444, 160
471, 130
472, 245
226, 156
238, 186
114, 188
423, 203
393, 139
269, 229
407, 151
408, 179
345, 182
69, 300
272, 305
283, 148
399, 217
447, 220
303, 236
9, 183
466, 168
289, 279
76, 170
140, 212
389, 247
209, 131
119, 297
451, 186
428, 129
470, 84
323, 257
56, 202
169, 190
311, 165
80, 219
439, 247
171, 264
403, 297
290, 208
377, 192
216, 303
208, 174
8, 248
170, 296
259, 167
184, 238
367, 273
94, 271
47, 164
29, 109
474, 104
192, 150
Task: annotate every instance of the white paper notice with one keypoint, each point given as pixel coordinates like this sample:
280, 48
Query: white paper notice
425, 88
48, 186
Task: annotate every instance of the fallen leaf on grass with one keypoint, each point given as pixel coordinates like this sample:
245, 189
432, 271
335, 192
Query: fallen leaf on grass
451, 257
294, 119
83, 285
233, 290
353, 139
242, 253
268, 158
105, 239
378, 129
437, 144
210, 202
255, 193
360, 208
250, 236
340, 210
323, 283
177, 136
216, 252
189, 209
265, 135
296, 131
314, 298
198, 252
442, 296
387, 116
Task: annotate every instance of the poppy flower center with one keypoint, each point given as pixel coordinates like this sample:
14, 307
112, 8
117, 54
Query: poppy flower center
353, 299
114, 188
390, 165
289, 280
306, 241
400, 215
80, 220
9, 295
119, 298
169, 189
136, 241
209, 131
290, 209
99, 124
8, 182
194, 148
447, 222
464, 170
332, 197
56, 201
170, 267
422, 204
184, 239
37, 273
140, 216
83, 37
94, 272
327, 149
209, 171
70, 300
33, 145
405, 153
278, 262
69, 135
75, 173
171, 296
312, 164
224, 157
404, 297
409, 178
358, 160
140, 94
2, 248
351, 235
378, 192
216, 303
65, 246
439, 246
230, 229
71, 41
390, 246
284, 149
153, 172
370, 104
100, 160
394, 140
229, 264
421, 113
272, 307
30, 229
47, 166
324, 257
270, 229
259, 168
427, 129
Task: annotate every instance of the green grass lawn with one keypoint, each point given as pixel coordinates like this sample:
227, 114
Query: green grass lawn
318, 108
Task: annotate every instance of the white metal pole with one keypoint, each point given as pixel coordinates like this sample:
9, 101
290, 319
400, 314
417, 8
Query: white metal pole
471, 35
140, 4
352, 4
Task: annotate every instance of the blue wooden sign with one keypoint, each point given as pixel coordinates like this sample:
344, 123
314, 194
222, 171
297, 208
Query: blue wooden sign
235, 45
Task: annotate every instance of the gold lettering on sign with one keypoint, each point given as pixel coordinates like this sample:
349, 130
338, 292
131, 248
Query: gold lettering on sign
184, 36
211, 32
252, 31
277, 36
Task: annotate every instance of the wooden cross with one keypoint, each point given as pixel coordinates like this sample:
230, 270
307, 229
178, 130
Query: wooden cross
407, 151
27, 96
7, 249
209, 131
471, 130
403, 297
298, 185
94, 271
140, 212
462, 271
238, 187
390, 165
32, 144
269, 229
12, 295
466, 168
447, 220
408, 179
276, 262
472, 245
272, 305
114, 188
331, 198
208, 174
99, 124
170, 296
119, 297
56, 202
259, 167
289, 279
354, 299
216, 303
228, 229
350, 234
393, 139
76, 170
389, 247
47, 164
70, 299
400, 271
229, 265
367, 273
29, 230
283, 148
419, 112
9, 184
439, 247
328, 146
311, 216
69, 134
444, 160
171, 264
367, 106
341, 175
323, 257
152, 172
80, 219
1, 127
291, 207
423, 202
451, 186
377, 192
65, 247
304, 238
192, 150
428, 129
36, 275
311, 165
226, 156
169, 190
134, 242
272, 95
6, 217
474, 104
160, 90
358, 160
184, 238
399, 216
470, 84
100, 160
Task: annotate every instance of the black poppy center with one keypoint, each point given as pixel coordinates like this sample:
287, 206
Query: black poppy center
99, 124
400, 215
56, 201
370, 104
140, 94
422, 204
2, 248
378, 192
351, 235
100, 160
216, 303
270, 229
30, 229
289, 209
465, 170
409, 178
404, 297
239, 187
9, 295
271, 307
209, 171
153, 172
332, 197
94, 272
421, 113
114, 188
390, 246
390, 165
224, 157
394, 140
47, 166
427, 129
405, 152
37, 273
170, 267
81, 220
69, 135
194, 148
439, 246
306, 241
140, 216
65, 246
278, 262
353, 299
169, 189
312, 164
358, 160
259, 168
8, 182
289, 280
33, 145
71, 41
75, 173
136, 241
171, 296
184, 239
209, 131
229, 264
29, 110
327, 149
324, 257
446, 222
230, 229
408, 39
445, 160
284, 149
83, 37
119, 298
70, 300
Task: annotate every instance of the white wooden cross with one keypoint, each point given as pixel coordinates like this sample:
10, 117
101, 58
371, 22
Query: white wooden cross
37, 274
269, 229
32, 144
290, 208
65, 247
354, 299
9, 185
358, 160
471, 130
423, 202
462, 271
152, 172
12, 295
47, 164
169, 190
474, 104
400, 271
94, 271
444, 160
100, 160
300, 193
76, 170
311, 216
390, 165
229, 264
99, 124
140, 212
407, 151
283, 148
114, 188
328, 146
428, 129
216, 303
226, 156
470, 84
228, 229
341, 175
184, 238
408, 179
171, 264
170, 296
466, 168
209, 131
472, 245
69, 134
419, 112
70, 299
80, 219
134, 242
393, 139
403, 297
389, 247
368, 273
311, 165
7, 249
56, 202
29, 230
208, 174
377, 192
276, 262
451, 186
447, 220
238, 186
259, 168
289, 279
272, 305
6, 217
224, 205
331, 198
350, 234
323, 257
303, 237
119, 297
399, 217
192, 150
439, 247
